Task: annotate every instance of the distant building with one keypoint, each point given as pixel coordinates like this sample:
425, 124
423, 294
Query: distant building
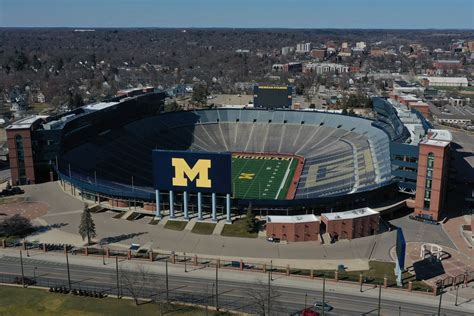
447, 64
361, 45
402, 86
322, 68
444, 81
421, 107
289, 67
319, 54
242, 51
377, 52
287, 50
303, 48
470, 46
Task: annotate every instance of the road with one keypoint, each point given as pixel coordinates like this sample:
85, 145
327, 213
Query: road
235, 295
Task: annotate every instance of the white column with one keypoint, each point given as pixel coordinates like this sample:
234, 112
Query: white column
171, 205
227, 200
185, 205
214, 213
157, 202
199, 206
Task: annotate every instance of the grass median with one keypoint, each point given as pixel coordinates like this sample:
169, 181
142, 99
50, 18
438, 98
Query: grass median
26, 302
203, 228
175, 225
238, 229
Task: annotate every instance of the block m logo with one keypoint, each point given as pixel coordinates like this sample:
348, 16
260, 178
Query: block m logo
183, 172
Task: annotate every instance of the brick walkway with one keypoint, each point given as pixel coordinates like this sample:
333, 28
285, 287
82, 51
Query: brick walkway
452, 264
453, 228
30, 210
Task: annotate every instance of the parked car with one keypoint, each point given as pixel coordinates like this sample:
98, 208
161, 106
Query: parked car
134, 248
273, 239
319, 306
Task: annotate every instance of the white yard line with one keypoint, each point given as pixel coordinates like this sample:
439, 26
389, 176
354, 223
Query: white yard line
284, 179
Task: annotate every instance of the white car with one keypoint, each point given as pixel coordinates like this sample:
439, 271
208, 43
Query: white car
319, 306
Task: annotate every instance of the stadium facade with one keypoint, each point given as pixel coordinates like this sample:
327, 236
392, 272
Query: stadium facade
104, 151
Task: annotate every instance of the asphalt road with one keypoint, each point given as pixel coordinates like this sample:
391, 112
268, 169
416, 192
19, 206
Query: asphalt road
233, 295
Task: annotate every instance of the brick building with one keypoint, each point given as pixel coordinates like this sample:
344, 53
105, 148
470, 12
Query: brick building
432, 176
293, 228
351, 224
319, 54
421, 107
20, 145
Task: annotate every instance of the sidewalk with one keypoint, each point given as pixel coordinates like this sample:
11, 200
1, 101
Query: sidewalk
251, 278
453, 228
59, 236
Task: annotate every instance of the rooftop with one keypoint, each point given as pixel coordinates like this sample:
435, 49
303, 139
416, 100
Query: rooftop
293, 219
99, 106
360, 212
432, 142
406, 84
440, 134
26, 122
446, 79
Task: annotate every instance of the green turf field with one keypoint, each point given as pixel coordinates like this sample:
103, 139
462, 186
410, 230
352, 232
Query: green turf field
262, 177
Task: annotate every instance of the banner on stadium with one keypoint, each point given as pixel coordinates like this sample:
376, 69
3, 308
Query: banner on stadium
192, 171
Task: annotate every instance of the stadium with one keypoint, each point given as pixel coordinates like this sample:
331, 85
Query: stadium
281, 159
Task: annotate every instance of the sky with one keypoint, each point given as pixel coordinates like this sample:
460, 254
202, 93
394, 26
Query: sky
364, 14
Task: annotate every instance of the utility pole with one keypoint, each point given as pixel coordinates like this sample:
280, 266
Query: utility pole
68, 272
361, 281
271, 270
22, 271
324, 293
26, 247
166, 281
269, 295
117, 275
185, 267
217, 285
440, 298
457, 291
380, 299
34, 274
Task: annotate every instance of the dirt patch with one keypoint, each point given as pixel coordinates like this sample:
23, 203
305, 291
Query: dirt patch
30, 210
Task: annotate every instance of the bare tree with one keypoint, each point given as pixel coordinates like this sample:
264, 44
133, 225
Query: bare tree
139, 283
263, 296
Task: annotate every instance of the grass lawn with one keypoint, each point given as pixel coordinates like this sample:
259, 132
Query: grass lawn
154, 221
25, 302
238, 229
118, 215
40, 107
176, 225
203, 228
377, 271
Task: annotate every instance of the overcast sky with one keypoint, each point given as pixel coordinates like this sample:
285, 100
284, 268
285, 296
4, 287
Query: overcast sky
421, 14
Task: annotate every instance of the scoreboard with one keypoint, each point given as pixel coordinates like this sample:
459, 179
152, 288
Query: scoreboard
272, 97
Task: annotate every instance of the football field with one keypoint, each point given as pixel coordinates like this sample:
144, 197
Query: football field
262, 177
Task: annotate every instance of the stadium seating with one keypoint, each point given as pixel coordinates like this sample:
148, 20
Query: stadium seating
343, 154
